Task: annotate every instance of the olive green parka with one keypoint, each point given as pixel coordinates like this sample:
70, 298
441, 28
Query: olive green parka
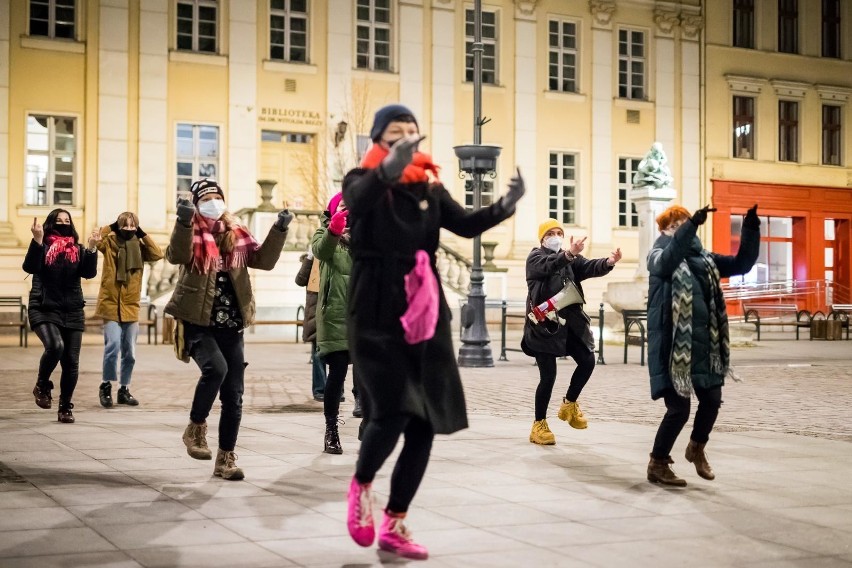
335, 266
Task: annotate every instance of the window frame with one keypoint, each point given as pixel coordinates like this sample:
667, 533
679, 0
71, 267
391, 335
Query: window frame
52, 21
561, 52
196, 20
834, 21
51, 154
832, 130
486, 41
629, 60
626, 187
564, 216
788, 21
738, 121
196, 158
287, 14
372, 26
788, 131
743, 10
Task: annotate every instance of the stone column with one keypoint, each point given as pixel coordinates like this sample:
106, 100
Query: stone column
526, 114
650, 202
340, 62
602, 97
7, 237
690, 142
411, 55
442, 130
242, 105
664, 76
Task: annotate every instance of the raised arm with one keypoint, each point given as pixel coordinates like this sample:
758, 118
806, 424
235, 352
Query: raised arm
468, 224
664, 260
179, 250
541, 264
34, 260
266, 255
88, 267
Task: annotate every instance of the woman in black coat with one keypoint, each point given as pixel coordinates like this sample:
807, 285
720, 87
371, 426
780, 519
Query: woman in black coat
565, 332
688, 342
411, 384
57, 262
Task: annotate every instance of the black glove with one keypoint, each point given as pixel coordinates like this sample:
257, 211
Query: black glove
516, 191
185, 211
140, 234
751, 220
114, 227
700, 216
284, 218
401, 154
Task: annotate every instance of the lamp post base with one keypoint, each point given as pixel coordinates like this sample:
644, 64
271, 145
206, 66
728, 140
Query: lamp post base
475, 355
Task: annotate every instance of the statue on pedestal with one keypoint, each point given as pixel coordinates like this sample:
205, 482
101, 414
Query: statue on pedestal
653, 170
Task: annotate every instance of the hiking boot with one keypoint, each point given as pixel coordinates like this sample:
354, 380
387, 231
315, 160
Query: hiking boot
695, 455
570, 412
226, 466
359, 517
395, 537
660, 471
124, 397
332, 437
64, 414
358, 412
541, 433
41, 392
105, 394
195, 439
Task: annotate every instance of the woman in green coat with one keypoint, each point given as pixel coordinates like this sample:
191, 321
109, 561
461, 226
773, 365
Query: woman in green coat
330, 245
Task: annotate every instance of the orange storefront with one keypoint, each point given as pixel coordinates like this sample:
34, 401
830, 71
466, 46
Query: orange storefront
805, 240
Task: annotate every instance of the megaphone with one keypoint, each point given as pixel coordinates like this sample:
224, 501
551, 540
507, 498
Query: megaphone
549, 309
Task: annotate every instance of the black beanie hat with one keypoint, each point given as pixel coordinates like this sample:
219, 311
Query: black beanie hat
385, 116
204, 186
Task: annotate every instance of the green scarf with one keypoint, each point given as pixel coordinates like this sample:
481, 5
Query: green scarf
128, 259
720, 348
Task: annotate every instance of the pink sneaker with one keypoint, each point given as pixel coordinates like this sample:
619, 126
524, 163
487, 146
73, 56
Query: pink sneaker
359, 519
394, 537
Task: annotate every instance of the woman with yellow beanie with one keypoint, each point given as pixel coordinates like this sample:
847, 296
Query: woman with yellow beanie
550, 268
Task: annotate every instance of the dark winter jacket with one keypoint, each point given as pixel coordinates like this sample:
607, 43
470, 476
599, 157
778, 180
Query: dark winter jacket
56, 295
335, 268
309, 322
547, 274
389, 224
663, 259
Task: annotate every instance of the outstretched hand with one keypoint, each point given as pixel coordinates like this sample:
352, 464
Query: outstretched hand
338, 222
185, 211
614, 257
284, 219
700, 216
400, 155
517, 189
576, 247
37, 230
751, 220
94, 238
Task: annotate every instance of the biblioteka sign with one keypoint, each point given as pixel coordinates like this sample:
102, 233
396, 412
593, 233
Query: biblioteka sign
290, 116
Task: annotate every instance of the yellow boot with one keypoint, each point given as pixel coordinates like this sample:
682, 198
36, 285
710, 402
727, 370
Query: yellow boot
541, 433
570, 412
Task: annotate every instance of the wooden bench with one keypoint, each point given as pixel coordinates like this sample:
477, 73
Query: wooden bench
298, 322
149, 321
776, 315
842, 312
13, 313
639, 320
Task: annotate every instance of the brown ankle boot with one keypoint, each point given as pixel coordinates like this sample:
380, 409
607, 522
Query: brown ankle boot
41, 392
64, 413
695, 455
660, 471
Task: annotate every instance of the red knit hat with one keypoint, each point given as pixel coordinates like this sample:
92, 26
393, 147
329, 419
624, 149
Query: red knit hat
334, 202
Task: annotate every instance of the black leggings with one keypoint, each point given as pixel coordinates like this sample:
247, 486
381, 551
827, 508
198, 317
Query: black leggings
585, 360
379, 439
338, 364
61, 346
677, 414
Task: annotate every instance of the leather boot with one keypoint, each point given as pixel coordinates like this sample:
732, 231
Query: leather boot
124, 397
41, 392
695, 455
64, 414
660, 471
195, 440
105, 394
332, 437
226, 466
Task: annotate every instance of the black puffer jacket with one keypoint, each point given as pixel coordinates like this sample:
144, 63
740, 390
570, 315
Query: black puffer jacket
57, 296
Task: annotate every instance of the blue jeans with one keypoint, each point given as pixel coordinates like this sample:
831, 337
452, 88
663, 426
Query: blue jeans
120, 337
318, 374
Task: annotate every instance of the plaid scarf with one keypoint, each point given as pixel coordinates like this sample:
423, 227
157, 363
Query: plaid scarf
206, 256
418, 170
61, 246
682, 297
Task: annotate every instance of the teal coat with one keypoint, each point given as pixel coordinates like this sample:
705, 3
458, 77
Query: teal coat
335, 266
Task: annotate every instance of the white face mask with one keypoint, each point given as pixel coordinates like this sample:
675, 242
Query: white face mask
212, 209
553, 243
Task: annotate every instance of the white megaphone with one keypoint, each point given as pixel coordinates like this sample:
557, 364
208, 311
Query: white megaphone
567, 296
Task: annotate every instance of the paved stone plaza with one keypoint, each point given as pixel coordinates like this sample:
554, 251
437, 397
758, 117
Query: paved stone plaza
117, 488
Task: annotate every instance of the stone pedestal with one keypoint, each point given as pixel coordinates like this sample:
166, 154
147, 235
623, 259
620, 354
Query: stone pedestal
266, 188
650, 202
7, 236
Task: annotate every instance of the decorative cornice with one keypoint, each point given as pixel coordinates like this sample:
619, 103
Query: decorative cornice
743, 84
525, 7
666, 20
834, 93
691, 24
790, 89
602, 10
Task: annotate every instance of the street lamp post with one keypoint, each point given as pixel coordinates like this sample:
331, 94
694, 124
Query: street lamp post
476, 160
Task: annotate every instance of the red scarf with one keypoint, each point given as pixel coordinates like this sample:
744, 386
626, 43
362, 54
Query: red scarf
61, 246
417, 171
206, 256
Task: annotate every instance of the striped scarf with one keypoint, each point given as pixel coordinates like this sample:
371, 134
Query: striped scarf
61, 246
206, 256
682, 297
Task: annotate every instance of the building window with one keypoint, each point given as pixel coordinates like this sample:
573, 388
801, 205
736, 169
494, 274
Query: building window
197, 153
562, 187
831, 28
831, 135
788, 131
288, 30
487, 193
631, 64
627, 215
196, 25
788, 26
52, 18
744, 127
489, 46
562, 56
51, 160
744, 23
373, 35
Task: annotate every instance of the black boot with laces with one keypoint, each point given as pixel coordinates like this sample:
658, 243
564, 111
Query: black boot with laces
332, 437
124, 397
105, 394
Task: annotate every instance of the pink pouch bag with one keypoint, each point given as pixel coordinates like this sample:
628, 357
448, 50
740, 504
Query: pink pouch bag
421, 291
